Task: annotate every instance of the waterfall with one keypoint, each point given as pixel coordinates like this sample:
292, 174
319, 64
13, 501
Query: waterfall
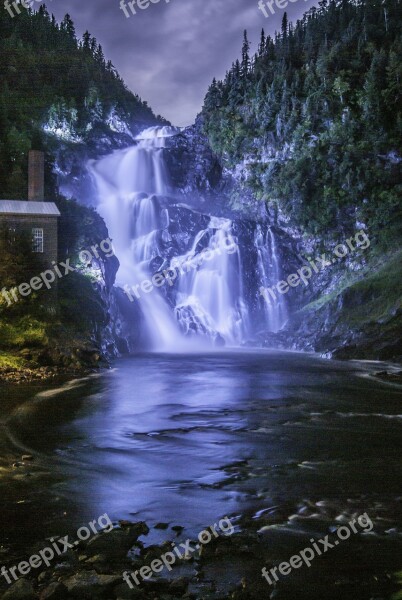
269, 271
128, 183
210, 297
206, 297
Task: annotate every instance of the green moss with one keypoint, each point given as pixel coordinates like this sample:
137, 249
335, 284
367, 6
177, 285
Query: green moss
371, 298
9, 361
23, 332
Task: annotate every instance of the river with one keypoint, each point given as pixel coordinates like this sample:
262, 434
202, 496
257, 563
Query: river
187, 439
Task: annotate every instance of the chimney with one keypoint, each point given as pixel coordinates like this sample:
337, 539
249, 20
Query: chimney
36, 175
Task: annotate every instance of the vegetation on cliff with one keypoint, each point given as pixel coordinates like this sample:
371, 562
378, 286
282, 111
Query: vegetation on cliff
51, 81
315, 117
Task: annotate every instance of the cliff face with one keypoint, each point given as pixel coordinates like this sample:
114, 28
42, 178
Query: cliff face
348, 306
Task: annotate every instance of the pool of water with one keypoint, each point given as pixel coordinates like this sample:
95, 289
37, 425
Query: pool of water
187, 439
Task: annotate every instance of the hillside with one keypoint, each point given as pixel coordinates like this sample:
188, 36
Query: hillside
54, 86
313, 120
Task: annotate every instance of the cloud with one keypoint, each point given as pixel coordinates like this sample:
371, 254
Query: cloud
169, 52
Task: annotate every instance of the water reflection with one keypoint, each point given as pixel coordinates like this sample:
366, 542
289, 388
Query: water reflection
187, 439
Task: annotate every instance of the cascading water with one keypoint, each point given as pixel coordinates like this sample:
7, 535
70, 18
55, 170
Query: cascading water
208, 297
128, 182
270, 274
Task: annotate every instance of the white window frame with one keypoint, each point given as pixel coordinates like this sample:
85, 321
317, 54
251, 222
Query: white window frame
37, 240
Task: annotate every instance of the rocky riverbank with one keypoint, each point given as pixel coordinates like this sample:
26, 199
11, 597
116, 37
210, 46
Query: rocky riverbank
226, 568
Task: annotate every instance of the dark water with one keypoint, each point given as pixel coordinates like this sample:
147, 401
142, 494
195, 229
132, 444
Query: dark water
189, 439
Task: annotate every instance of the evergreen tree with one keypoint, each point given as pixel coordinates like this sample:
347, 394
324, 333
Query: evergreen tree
261, 48
86, 41
324, 98
67, 26
245, 58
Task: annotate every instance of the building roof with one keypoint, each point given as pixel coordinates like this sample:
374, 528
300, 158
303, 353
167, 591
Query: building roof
25, 207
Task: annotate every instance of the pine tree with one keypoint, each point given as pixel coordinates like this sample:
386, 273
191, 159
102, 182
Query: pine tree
86, 41
99, 56
245, 58
261, 48
67, 26
284, 27
93, 46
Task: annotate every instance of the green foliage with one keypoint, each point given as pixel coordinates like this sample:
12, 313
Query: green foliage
23, 332
323, 102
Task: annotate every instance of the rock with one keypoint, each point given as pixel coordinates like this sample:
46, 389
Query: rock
116, 543
20, 590
44, 576
161, 526
27, 457
219, 341
125, 523
124, 592
179, 586
91, 585
177, 528
55, 591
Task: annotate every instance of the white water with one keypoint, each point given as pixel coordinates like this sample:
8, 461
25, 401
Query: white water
208, 297
270, 274
128, 182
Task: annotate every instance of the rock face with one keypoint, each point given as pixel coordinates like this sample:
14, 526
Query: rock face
319, 311
194, 170
349, 308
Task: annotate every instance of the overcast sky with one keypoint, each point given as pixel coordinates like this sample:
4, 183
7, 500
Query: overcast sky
169, 52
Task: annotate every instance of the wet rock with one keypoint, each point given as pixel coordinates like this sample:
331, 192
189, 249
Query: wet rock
161, 526
155, 551
179, 586
177, 528
44, 576
89, 584
124, 592
20, 590
156, 586
55, 591
116, 543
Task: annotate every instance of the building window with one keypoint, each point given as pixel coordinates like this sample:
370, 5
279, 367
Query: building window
12, 234
37, 240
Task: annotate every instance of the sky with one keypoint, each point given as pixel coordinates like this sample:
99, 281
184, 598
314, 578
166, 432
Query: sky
169, 52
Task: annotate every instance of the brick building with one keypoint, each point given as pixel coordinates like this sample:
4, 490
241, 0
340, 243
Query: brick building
34, 216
